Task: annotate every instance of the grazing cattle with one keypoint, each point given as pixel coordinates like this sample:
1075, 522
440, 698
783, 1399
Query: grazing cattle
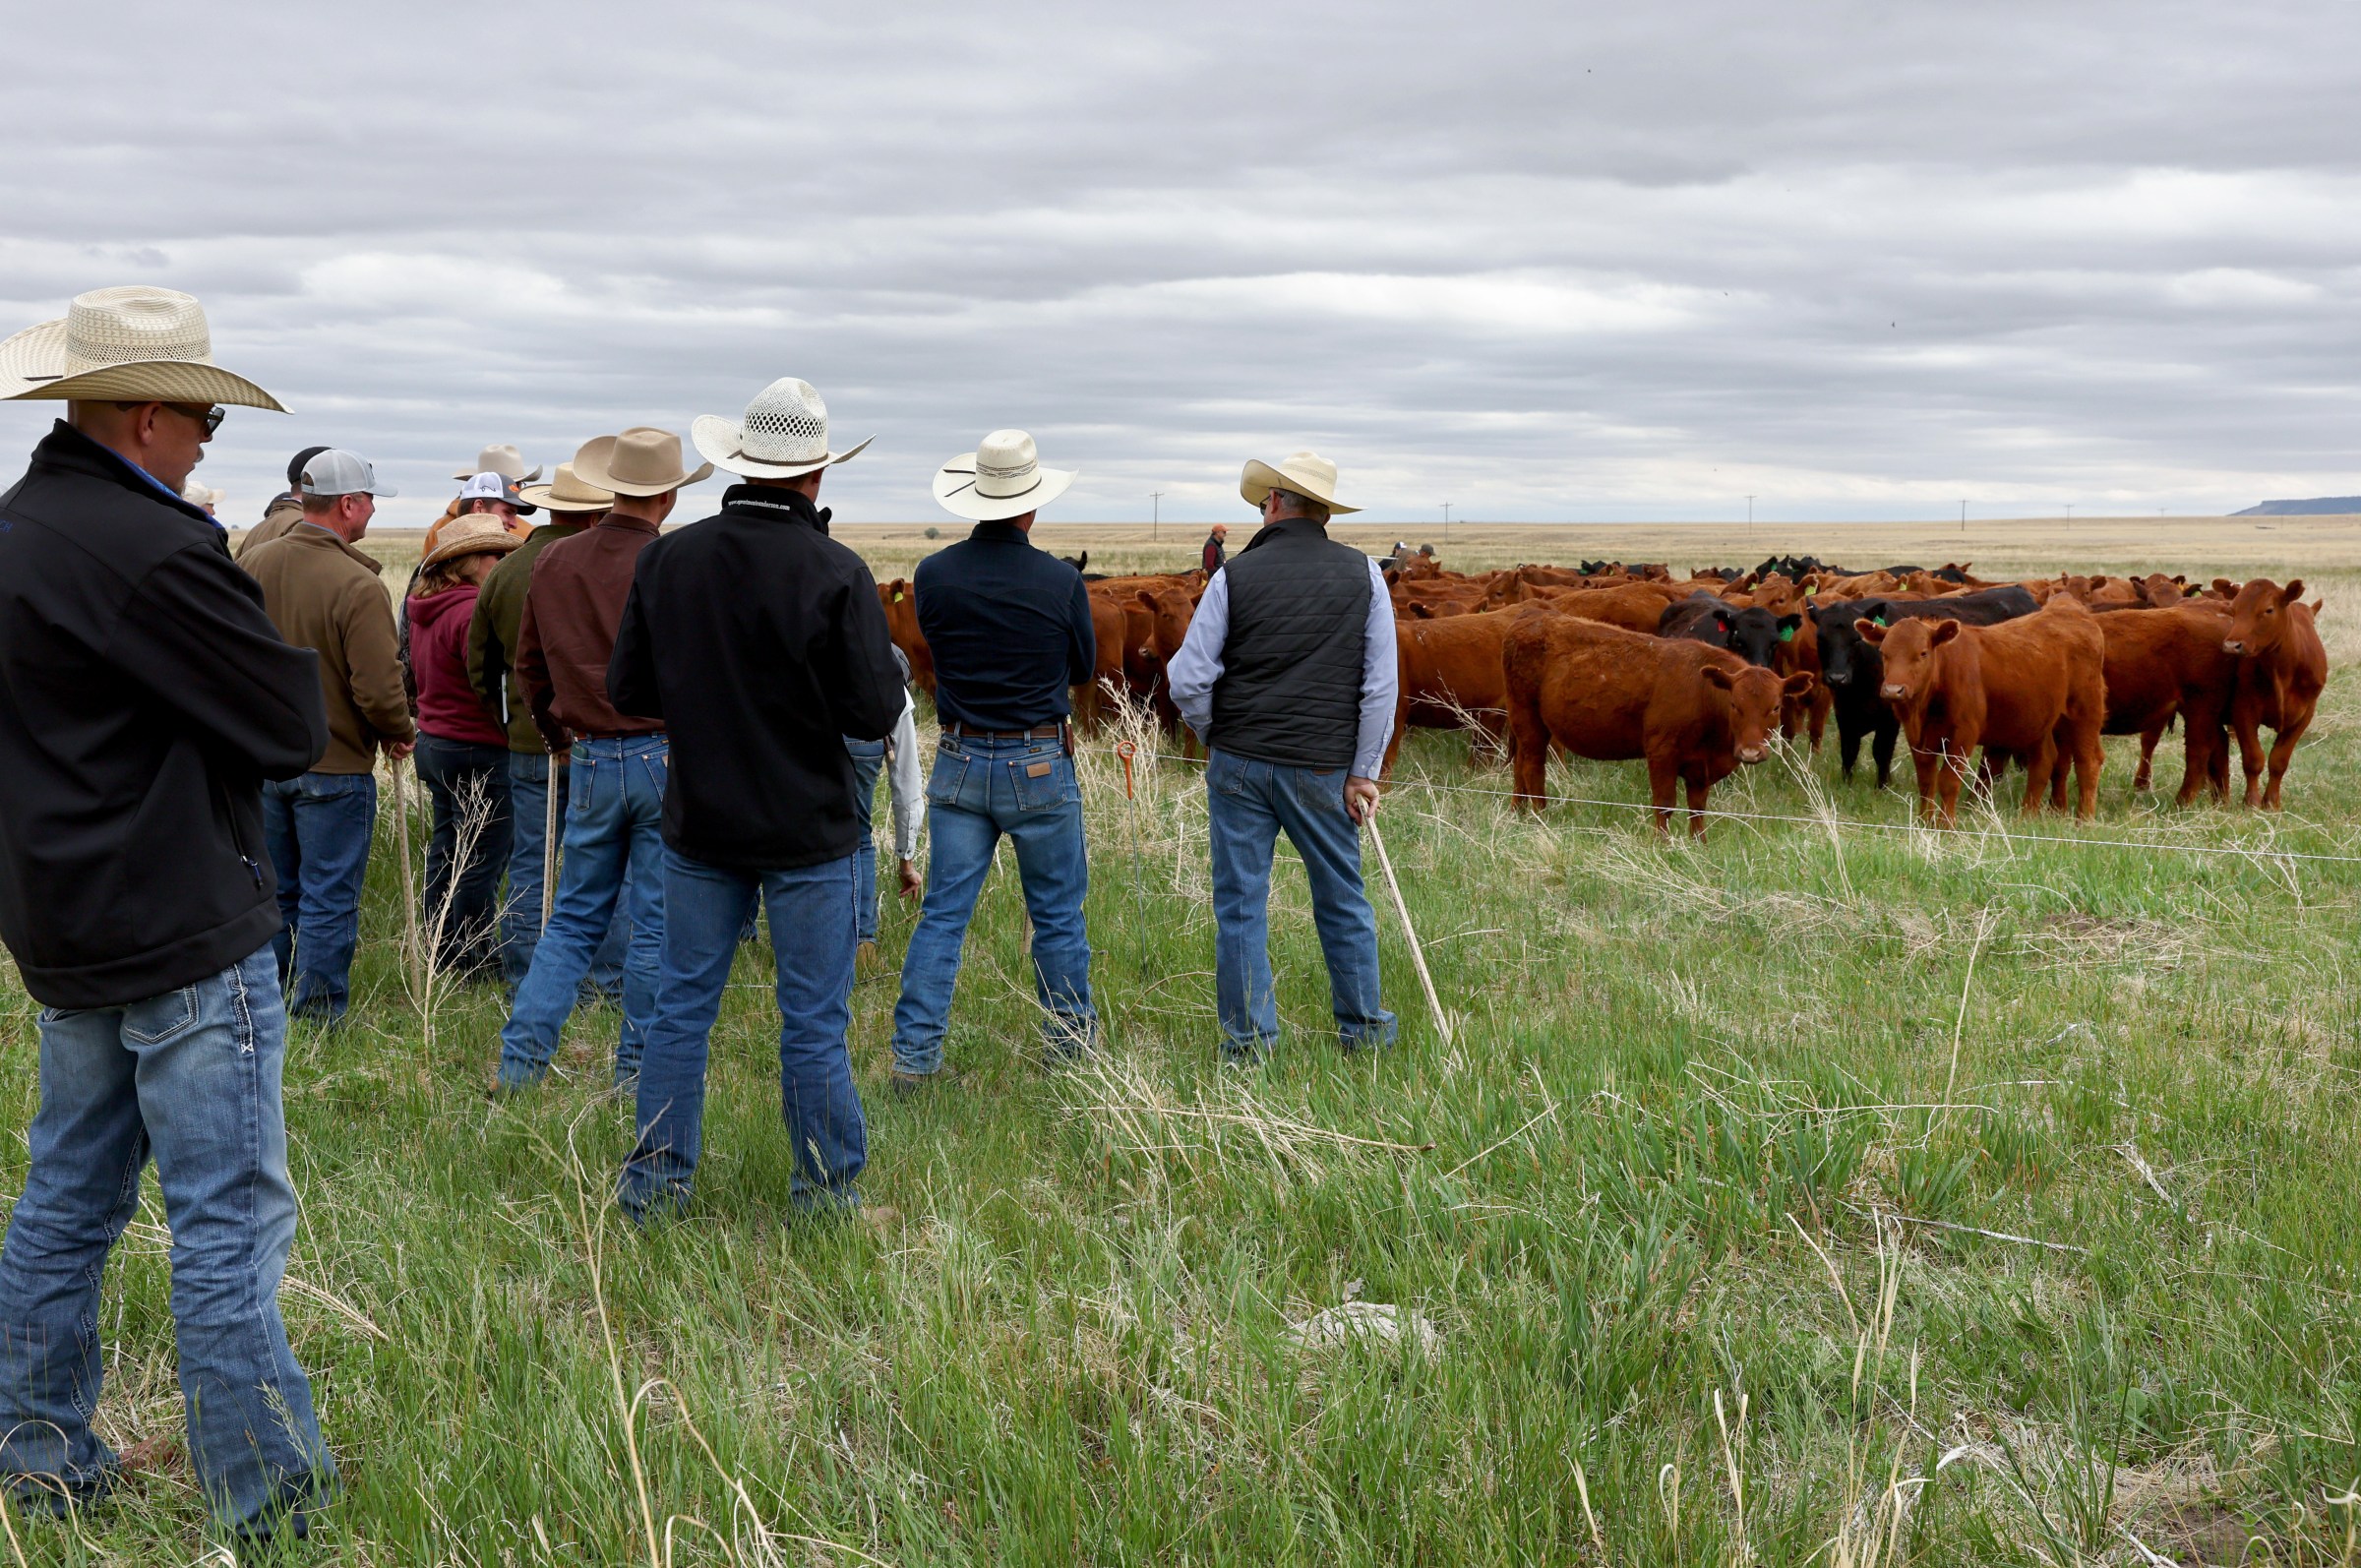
1633, 605
900, 602
1753, 635
1109, 626
2282, 667
2032, 690
1853, 670
1691, 712
1452, 678
2164, 665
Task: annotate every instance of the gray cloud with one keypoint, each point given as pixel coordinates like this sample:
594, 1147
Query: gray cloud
1859, 261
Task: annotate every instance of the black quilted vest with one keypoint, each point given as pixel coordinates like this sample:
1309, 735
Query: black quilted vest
1290, 690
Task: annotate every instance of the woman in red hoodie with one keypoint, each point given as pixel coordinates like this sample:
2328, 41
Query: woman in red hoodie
462, 752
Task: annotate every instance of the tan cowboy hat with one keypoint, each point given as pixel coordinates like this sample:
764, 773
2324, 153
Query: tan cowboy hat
201, 496
131, 343
1002, 478
1305, 474
477, 533
783, 434
567, 492
504, 460
641, 461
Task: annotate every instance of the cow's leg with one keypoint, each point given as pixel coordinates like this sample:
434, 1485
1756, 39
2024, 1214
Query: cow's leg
1948, 779
2039, 764
1927, 762
1822, 701
2143, 780
1699, 786
2251, 756
1848, 746
2089, 760
2282, 753
1527, 754
1881, 751
1663, 786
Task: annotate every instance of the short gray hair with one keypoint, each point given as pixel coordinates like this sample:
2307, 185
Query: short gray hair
1294, 503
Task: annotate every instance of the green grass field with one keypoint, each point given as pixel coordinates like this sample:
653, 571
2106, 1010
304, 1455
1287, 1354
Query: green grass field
1829, 1192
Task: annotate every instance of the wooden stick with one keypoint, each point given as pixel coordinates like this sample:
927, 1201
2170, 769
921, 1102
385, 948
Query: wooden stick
549, 845
410, 884
1418, 954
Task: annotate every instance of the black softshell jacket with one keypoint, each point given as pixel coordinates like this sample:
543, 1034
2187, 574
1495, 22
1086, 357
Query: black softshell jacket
143, 698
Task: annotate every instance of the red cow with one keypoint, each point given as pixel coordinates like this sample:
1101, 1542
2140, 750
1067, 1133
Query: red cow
2032, 689
1693, 713
2167, 664
1452, 676
900, 602
1632, 606
2283, 666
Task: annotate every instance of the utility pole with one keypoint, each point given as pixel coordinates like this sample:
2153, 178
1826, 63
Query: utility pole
2069, 514
1447, 522
1155, 512
1963, 516
1750, 515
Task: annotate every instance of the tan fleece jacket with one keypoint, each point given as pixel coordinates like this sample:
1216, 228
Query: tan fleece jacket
324, 594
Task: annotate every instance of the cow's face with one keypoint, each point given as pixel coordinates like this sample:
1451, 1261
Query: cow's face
2258, 616
1844, 656
1754, 634
1907, 650
1169, 611
1752, 697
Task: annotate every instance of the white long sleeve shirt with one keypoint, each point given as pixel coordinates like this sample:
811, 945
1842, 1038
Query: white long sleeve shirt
902, 777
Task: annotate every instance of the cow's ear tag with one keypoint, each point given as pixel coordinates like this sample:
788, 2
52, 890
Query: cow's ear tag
1787, 633
897, 596
1881, 620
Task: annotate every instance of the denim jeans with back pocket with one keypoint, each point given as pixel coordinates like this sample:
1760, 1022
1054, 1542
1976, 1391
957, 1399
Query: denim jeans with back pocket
981, 791
1247, 804
190, 1078
318, 827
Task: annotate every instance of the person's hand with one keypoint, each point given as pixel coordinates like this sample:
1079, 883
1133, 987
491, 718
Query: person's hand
400, 750
1360, 797
912, 884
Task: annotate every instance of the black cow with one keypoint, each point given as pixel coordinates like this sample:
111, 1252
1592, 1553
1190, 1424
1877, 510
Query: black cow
1853, 670
1753, 635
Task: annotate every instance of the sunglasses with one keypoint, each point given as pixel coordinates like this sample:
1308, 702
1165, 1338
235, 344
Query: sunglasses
210, 415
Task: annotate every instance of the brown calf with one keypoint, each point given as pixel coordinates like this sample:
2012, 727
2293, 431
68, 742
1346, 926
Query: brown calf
2282, 667
2032, 689
1693, 713
2163, 664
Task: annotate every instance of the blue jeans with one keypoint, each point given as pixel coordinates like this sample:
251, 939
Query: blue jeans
869, 760
811, 912
614, 855
980, 790
191, 1077
317, 828
468, 783
1247, 804
520, 915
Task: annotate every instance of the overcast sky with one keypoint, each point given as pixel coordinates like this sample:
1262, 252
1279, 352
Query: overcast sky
1544, 262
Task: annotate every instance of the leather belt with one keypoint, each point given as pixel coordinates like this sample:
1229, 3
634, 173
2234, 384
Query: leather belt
1040, 732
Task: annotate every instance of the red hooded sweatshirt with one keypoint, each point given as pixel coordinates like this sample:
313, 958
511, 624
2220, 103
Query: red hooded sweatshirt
448, 707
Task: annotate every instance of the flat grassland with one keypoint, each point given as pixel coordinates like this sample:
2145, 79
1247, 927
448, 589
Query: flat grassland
1829, 1191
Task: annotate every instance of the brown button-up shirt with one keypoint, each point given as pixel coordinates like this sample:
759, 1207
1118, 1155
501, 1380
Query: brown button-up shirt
324, 594
567, 631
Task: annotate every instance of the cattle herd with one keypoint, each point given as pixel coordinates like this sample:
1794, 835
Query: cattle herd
1694, 675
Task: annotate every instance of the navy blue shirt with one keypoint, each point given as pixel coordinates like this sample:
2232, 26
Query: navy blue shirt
1009, 627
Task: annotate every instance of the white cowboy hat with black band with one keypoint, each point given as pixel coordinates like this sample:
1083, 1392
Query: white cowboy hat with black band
134, 343
783, 435
1002, 478
641, 461
1305, 474
566, 492
501, 459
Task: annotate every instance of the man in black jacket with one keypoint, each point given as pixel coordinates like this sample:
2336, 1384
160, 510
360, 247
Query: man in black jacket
760, 643
144, 696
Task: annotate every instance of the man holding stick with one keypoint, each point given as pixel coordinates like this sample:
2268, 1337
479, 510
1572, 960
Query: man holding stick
325, 595
146, 697
1289, 676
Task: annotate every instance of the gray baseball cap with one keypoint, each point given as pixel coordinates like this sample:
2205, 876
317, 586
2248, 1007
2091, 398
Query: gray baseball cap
340, 473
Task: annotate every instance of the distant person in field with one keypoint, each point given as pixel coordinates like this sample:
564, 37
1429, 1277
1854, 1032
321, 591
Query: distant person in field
759, 641
533, 768
325, 595
148, 697
613, 856
287, 508
462, 755
1010, 629
1288, 676
1215, 549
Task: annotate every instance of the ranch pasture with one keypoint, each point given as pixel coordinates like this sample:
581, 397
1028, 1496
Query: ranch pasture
1829, 1191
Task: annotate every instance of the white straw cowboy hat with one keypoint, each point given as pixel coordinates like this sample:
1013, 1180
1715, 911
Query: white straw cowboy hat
197, 495
477, 533
641, 461
567, 492
1002, 478
501, 459
784, 434
131, 343
1305, 474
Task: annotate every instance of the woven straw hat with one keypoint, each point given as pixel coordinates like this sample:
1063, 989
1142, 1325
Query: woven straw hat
1002, 478
477, 533
1305, 474
641, 461
784, 434
504, 460
567, 492
135, 343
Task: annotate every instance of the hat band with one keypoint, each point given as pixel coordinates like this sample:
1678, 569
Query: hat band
747, 449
